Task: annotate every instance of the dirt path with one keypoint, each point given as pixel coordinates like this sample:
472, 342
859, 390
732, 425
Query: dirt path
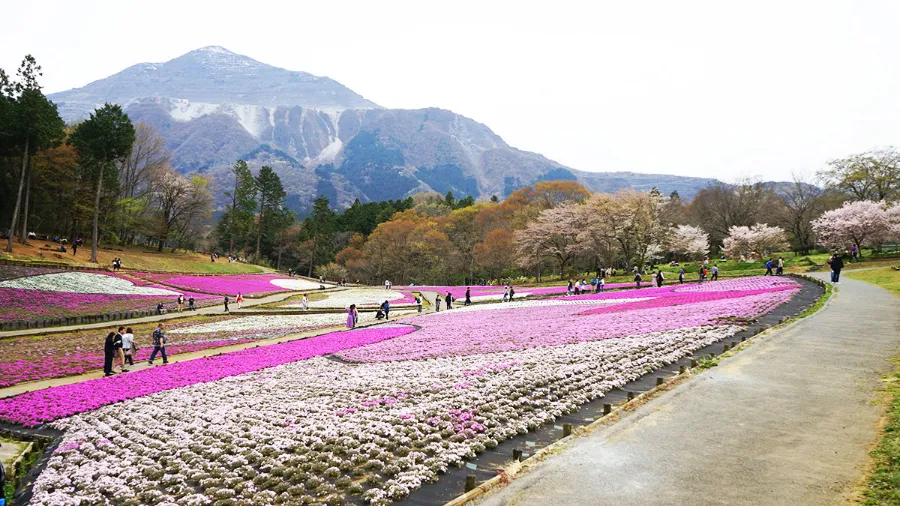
790, 420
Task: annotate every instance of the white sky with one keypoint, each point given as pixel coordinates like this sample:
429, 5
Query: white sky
719, 89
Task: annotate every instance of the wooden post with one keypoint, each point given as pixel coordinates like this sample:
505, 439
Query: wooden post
470, 483
660, 381
630, 396
517, 454
567, 429
607, 409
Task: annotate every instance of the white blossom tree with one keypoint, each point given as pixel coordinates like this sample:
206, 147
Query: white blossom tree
689, 241
860, 223
553, 234
755, 240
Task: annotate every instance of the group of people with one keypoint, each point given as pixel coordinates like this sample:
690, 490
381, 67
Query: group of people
596, 285
116, 263
120, 347
836, 263
778, 265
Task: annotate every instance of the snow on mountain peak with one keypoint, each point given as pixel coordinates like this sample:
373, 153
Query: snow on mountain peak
214, 49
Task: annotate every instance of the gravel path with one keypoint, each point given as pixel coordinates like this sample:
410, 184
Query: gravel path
790, 420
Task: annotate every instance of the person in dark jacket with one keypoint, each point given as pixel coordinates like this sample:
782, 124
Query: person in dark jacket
109, 353
468, 296
837, 263
386, 307
449, 300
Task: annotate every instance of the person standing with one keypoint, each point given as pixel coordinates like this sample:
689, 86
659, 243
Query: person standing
191, 303
601, 285
468, 297
128, 346
386, 307
437, 303
304, 302
681, 275
715, 272
159, 345
119, 343
837, 263
352, 316
239, 299
779, 267
505, 293
419, 301
700, 274
180, 303
109, 353
512, 292
449, 300
74, 248
226, 303
637, 278
659, 278
854, 254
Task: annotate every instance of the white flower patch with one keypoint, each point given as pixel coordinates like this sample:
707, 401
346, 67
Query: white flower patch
297, 284
358, 296
272, 322
314, 429
457, 305
84, 282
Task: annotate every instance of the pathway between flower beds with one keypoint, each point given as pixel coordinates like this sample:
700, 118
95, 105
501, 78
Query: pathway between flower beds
789, 419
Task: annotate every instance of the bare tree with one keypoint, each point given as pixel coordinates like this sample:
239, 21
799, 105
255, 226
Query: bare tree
801, 204
177, 201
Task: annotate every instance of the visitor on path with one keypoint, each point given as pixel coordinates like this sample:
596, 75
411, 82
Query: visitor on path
129, 346
419, 302
437, 303
227, 300
512, 293
159, 345
304, 302
191, 303
779, 267
212, 258
637, 278
74, 248
468, 297
449, 300
109, 353
854, 254
701, 274
160, 309
768, 268
570, 289
659, 278
352, 316
837, 263
239, 299
505, 293
681, 276
601, 285
119, 339
180, 303
715, 272
386, 307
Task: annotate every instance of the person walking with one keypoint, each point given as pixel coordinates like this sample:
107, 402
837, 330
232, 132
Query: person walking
854, 254
512, 293
226, 303
681, 276
468, 297
768, 268
119, 342
700, 274
449, 300
659, 278
437, 303
779, 267
386, 307
837, 263
352, 316
419, 301
570, 289
715, 272
239, 299
74, 248
304, 302
191, 303
159, 345
505, 293
109, 353
601, 285
637, 278
180, 303
129, 346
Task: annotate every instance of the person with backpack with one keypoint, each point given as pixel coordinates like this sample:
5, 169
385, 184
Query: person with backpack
837, 263
159, 345
419, 301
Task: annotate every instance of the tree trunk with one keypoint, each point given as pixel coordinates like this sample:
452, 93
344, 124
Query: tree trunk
259, 234
15, 216
96, 235
24, 237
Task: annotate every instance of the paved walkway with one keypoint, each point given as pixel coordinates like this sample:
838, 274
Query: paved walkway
789, 420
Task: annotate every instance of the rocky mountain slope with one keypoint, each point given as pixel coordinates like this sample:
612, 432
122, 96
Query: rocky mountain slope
213, 106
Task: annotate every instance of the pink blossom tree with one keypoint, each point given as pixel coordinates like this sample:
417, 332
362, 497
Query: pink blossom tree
756, 240
690, 241
860, 223
553, 235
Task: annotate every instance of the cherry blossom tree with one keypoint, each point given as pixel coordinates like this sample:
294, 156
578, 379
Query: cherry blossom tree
759, 240
553, 234
893, 216
860, 223
690, 241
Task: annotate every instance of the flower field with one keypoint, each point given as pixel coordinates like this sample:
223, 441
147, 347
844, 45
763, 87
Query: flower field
248, 284
290, 424
358, 296
38, 293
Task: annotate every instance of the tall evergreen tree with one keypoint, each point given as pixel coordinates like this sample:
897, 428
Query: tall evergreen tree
242, 203
32, 123
320, 228
103, 142
272, 210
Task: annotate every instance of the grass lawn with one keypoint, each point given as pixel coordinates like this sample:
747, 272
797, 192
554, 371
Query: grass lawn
883, 484
132, 258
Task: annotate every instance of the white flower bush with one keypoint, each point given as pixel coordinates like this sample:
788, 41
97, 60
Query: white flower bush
322, 431
358, 296
84, 282
298, 284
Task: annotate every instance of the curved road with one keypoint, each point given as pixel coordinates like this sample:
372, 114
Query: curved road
789, 420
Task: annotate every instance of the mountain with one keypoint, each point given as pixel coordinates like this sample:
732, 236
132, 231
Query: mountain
213, 106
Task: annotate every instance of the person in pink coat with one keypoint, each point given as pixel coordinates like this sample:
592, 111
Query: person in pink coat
352, 316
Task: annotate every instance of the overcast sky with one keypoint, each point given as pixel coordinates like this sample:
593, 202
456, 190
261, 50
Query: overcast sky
719, 89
